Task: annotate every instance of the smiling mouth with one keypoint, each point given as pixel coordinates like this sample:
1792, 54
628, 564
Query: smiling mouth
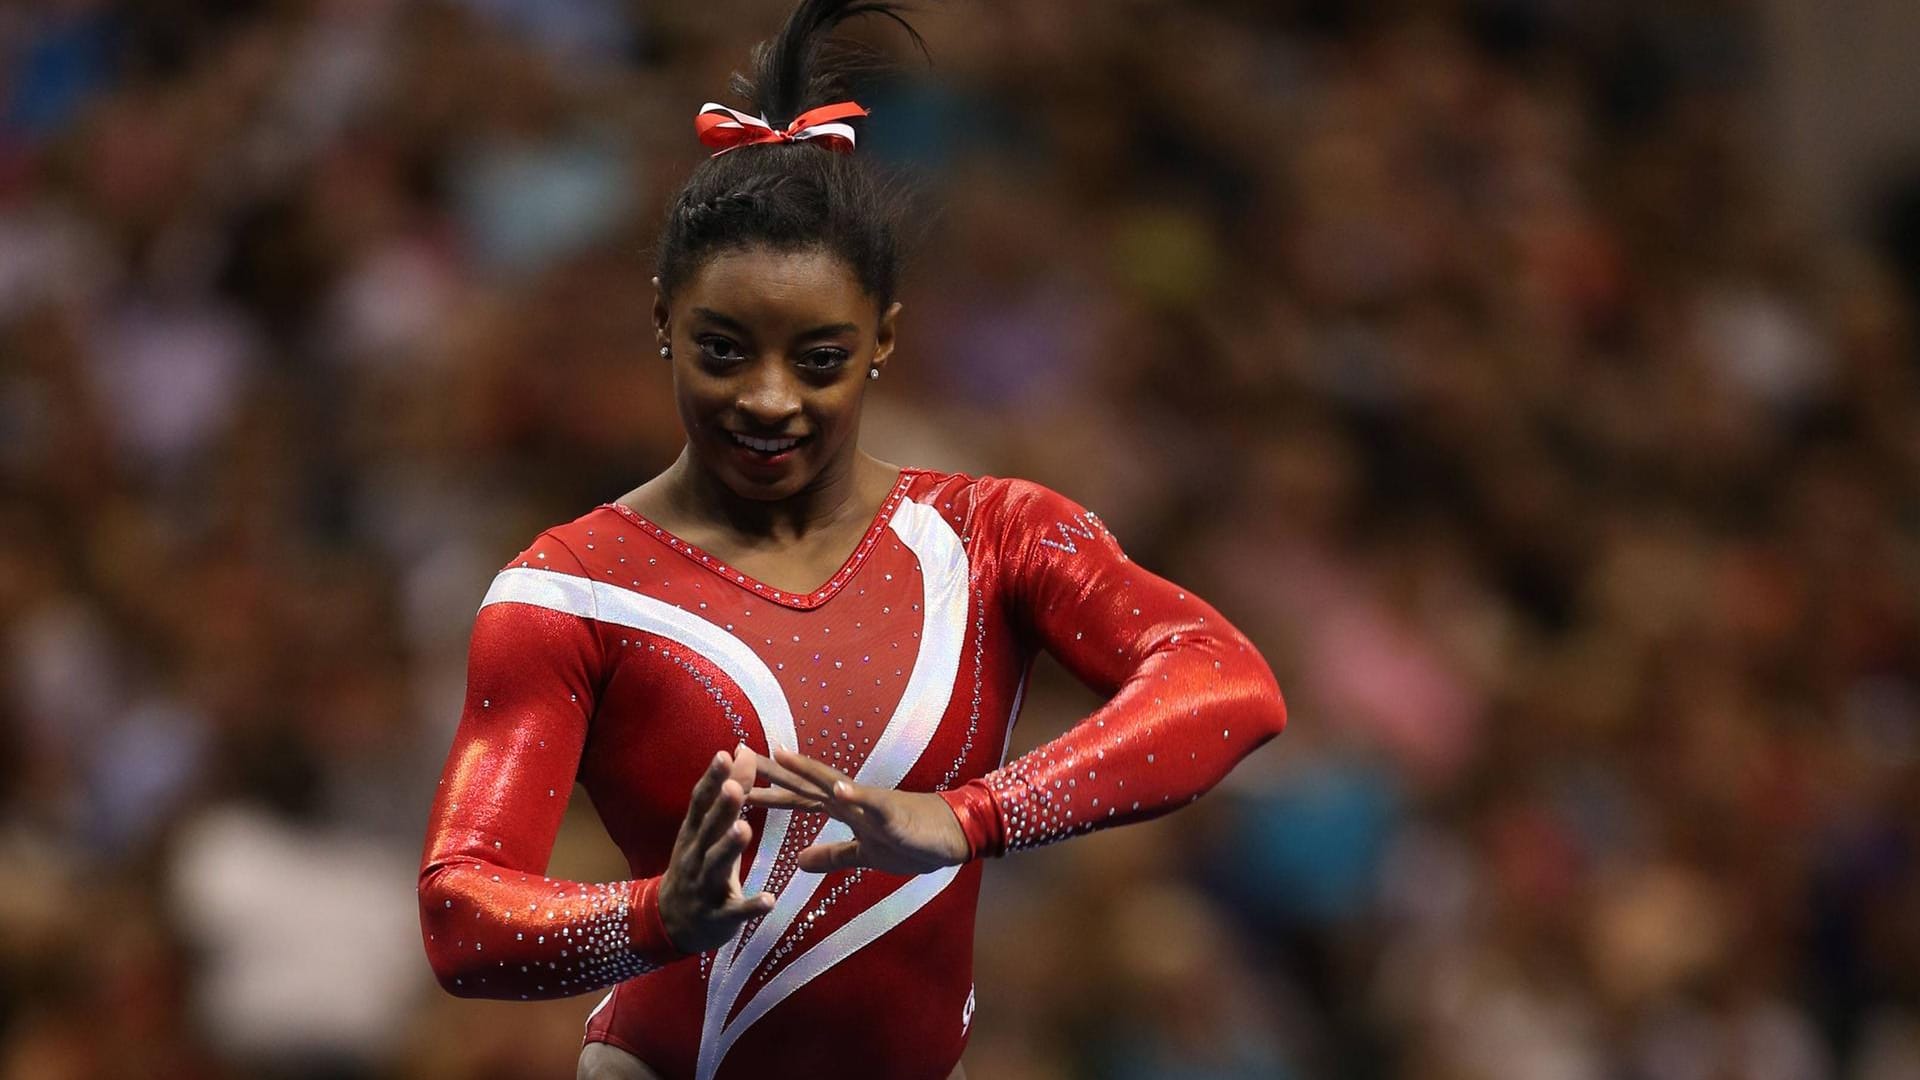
767, 446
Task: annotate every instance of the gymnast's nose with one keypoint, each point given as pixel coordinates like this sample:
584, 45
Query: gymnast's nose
769, 396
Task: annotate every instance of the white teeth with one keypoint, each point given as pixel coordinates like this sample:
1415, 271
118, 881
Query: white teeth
767, 446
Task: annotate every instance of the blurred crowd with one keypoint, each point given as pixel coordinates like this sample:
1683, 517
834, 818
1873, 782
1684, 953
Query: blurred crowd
1461, 352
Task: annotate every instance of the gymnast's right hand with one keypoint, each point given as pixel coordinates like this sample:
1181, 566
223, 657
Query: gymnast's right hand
701, 903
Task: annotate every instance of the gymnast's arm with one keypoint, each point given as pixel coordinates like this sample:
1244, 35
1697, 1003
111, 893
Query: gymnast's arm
495, 925
1188, 694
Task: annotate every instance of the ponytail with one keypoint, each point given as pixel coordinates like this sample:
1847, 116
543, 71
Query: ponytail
787, 194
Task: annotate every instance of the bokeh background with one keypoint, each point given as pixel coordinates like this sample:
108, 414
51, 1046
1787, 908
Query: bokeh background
1535, 380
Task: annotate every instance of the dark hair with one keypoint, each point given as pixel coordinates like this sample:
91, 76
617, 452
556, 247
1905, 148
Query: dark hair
797, 195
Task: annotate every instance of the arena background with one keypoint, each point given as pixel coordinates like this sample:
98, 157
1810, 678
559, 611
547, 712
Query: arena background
1535, 380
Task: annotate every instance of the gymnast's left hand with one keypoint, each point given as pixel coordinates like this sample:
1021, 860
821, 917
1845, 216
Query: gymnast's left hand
899, 832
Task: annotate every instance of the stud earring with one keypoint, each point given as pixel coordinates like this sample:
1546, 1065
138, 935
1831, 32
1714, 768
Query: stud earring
666, 352
873, 373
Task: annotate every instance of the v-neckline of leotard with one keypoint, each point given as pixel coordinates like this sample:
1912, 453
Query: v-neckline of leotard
803, 601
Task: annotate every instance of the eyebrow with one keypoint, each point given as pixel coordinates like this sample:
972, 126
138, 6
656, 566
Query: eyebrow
734, 324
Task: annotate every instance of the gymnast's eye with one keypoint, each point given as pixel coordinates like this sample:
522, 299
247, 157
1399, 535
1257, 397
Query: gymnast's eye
718, 352
818, 360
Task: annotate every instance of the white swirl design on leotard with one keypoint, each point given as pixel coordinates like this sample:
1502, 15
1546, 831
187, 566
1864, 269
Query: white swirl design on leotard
915, 720
943, 576
622, 607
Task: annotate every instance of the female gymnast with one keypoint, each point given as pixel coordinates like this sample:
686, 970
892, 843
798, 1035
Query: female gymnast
779, 605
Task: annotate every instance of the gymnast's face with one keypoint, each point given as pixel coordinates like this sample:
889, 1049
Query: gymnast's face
771, 351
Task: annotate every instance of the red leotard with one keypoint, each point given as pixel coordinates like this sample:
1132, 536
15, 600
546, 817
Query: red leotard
612, 652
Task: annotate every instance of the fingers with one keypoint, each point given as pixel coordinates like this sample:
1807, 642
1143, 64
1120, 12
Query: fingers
843, 809
744, 764
751, 907
700, 897
722, 815
822, 776
719, 873
718, 863
821, 858
811, 785
862, 800
775, 799
720, 870
704, 788
778, 769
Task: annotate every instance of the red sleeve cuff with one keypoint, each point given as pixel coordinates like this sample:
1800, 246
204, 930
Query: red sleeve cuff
973, 804
646, 933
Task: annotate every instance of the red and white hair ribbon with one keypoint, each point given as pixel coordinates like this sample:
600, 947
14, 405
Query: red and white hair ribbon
727, 128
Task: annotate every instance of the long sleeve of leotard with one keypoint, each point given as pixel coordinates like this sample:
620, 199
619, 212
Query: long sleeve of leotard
1188, 694
495, 925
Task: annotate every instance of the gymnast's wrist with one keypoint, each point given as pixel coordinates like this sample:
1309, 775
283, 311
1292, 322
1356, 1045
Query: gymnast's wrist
979, 815
647, 936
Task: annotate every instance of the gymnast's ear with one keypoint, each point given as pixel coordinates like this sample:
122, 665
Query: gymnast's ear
659, 307
883, 334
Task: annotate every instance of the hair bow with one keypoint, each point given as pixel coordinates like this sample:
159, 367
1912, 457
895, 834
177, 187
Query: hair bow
727, 128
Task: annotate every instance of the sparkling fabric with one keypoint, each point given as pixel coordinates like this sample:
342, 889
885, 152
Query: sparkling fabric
614, 653
1181, 680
